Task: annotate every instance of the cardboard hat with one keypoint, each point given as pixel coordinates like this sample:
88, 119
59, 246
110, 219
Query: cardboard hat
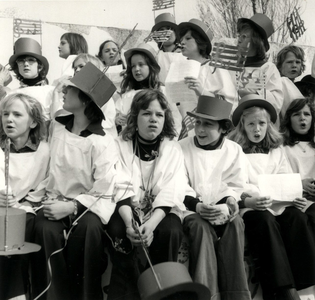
144, 48
28, 46
164, 20
94, 83
212, 108
306, 80
250, 101
263, 25
200, 27
12, 233
174, 280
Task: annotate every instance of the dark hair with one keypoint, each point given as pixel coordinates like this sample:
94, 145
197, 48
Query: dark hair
202, 44
225, 125
152, 81
142, 100
297, 51
289, 137
99, 55
91, 111
257, 40
42, 72
35, 111
77, 42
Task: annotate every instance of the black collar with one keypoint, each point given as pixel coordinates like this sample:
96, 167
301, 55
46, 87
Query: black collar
209, 147
93, 128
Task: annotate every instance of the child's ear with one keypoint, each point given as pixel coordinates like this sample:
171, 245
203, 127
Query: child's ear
33, 124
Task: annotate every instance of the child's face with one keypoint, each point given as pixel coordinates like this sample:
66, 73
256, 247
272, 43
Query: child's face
139, 68
291, 66
109, 51
150, 121
71, 101
78, 65
64, 48
256, 125
16, 121
28, 67
208, 132
301, 120
189, 46
244, 39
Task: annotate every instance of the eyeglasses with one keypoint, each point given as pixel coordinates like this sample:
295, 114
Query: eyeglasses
29, 60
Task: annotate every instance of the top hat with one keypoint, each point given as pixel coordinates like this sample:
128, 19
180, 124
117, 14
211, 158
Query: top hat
262, 24
308, 79
145, 48
165, 19
12, 233
28, 46
201, 28
174, 280
212, 108
94, 83
250, 101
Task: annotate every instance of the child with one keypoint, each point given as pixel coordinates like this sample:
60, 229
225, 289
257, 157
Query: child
82, 176
31, 69
142, 73
71, 44
106, 53
149, 190
291, 64
214, 167
22, 121
281, 242
255, 32
298, 134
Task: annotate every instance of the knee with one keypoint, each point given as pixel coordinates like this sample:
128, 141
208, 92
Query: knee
194, 225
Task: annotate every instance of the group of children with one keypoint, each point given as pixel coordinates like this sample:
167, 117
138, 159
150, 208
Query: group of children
121, 169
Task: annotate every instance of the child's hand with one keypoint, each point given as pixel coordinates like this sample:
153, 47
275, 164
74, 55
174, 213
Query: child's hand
208, 212
233, 206
194, 84
299, 203
309, 186
56, 210
3, 198
121, 119
258, 203
133, 236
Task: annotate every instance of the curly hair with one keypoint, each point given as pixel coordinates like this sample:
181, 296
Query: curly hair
35, 111
141, 101
202, 44
273, 138
77, 42
297, 51
42, 72
289, 137
129, 82
257, 40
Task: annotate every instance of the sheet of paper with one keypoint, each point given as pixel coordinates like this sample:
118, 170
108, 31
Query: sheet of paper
280, 187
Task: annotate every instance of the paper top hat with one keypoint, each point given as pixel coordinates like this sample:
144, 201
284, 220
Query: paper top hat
28, 46
165, 19
174, 280
308, 79
12, 233
200, 27
263, 25
250, 101
94, 83
144, 48
212, 108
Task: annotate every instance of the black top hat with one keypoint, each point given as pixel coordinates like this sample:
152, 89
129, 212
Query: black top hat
201, 28
94, 83
28, 46
306, 80
165, 19
250, 101
263, 25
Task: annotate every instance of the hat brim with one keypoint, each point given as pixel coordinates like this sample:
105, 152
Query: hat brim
130, 52
41, 58
26, 248
251, 103
204, 116
198, 29
260, 30
304, 83
157, 26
